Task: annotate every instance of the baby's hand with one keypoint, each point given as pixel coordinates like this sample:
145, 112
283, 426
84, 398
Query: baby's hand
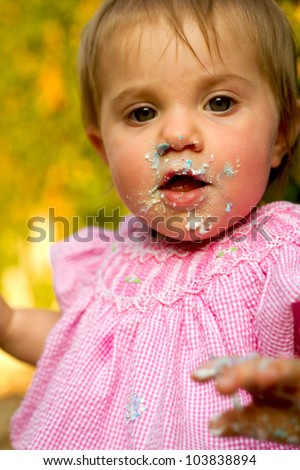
274, 384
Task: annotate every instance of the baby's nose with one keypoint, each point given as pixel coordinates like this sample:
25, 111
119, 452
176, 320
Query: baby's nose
179, 144
181, 132
182, 143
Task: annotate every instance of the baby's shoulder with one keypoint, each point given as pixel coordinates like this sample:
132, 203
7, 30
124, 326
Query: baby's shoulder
78, 248
259, 239
285, 211
268, 225
279, 222
76, 259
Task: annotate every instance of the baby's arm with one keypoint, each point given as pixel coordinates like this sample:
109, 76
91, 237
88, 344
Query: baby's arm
23, 331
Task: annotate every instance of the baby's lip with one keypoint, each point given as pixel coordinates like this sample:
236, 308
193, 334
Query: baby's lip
181, 180
183, 189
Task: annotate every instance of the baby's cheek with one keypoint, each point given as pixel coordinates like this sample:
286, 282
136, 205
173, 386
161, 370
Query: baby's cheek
252, 177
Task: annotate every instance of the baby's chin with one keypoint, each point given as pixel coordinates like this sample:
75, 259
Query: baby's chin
188, 226
184, 233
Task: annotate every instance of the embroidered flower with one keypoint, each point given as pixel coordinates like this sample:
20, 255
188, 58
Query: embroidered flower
225, 252
132, 279
134, 408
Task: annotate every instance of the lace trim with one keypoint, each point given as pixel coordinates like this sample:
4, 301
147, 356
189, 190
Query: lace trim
271, 225
253, 243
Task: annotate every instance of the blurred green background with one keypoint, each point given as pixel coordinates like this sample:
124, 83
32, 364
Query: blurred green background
45, 159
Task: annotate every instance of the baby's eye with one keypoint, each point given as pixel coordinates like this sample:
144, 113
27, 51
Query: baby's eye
220, 104
143, 114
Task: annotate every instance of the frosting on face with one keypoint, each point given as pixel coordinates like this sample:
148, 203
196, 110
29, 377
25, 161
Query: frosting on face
188, 135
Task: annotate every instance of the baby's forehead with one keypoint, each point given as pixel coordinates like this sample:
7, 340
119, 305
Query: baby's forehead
156, 37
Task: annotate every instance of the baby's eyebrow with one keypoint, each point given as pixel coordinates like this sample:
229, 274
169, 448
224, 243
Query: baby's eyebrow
214, 79
129, 93
205, 81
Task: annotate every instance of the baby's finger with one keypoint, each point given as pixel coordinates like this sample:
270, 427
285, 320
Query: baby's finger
250, 372
214, 367
260, 374
262, 423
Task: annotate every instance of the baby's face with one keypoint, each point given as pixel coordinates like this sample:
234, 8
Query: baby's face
190, 141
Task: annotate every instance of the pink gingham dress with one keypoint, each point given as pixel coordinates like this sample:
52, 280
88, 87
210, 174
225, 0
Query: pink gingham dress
138, 317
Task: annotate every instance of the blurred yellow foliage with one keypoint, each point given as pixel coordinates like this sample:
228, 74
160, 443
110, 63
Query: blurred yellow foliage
51, 90
15, 376
297, 13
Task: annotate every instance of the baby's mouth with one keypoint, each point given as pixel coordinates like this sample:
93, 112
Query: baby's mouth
182, 183
180, 190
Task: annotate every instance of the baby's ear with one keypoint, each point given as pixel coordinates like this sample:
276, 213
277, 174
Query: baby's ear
282, 146
280, 149
94, 137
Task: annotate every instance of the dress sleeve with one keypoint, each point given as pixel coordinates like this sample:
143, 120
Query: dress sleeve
74, 263
277, 320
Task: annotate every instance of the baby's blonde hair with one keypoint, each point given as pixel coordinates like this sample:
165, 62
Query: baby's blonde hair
261, 22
